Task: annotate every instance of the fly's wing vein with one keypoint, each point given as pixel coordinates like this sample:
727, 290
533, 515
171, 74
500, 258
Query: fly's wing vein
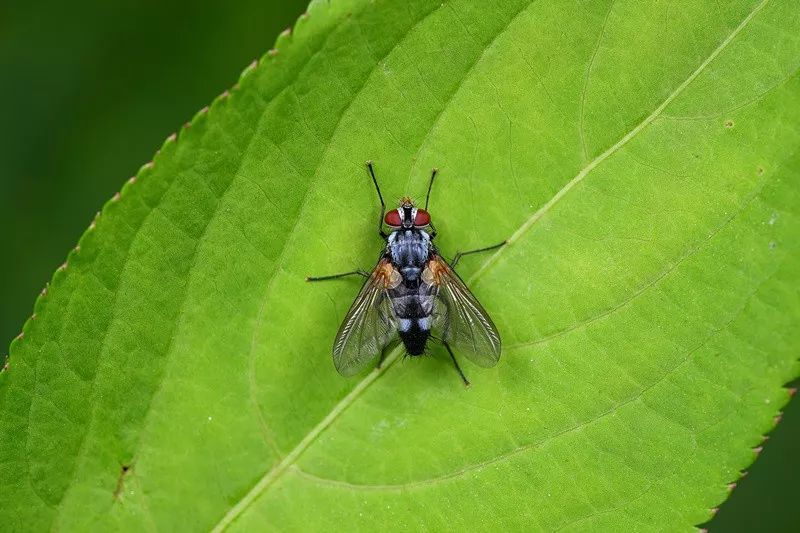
463, 322
367, 328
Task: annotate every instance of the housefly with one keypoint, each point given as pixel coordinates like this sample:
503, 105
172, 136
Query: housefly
414, 294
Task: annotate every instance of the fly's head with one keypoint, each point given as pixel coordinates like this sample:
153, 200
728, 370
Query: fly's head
407, 215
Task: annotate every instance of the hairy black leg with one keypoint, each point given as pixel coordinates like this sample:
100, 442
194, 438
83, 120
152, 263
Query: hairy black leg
336, 276
455, 363
382, 233
430, 186
428, 197
433, 231
459, 255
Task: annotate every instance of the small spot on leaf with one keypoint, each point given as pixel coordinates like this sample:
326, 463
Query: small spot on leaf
123, 471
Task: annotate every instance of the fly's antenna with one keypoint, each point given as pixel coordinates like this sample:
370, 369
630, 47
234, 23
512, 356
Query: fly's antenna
380, 197
430, 186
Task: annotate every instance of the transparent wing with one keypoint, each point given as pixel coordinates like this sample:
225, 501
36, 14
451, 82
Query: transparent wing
368, 326
461, 320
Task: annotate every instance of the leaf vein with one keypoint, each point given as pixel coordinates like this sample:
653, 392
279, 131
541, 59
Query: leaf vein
542, 211
270, 477
582, 113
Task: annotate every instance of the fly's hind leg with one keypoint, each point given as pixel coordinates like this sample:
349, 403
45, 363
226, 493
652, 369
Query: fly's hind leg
459, 255
362, 273
382, 357
455, 363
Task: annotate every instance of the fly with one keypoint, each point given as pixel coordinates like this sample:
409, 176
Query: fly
412, 292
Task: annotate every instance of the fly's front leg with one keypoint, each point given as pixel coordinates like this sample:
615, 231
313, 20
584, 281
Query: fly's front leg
459, 255
382, 233
455, 363
433, 231
362, 273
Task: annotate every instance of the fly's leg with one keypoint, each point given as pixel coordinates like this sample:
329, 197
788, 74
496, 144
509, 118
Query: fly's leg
430, 186
459, 255
337, 276
455, 363
382, 233
428, 197
382, 357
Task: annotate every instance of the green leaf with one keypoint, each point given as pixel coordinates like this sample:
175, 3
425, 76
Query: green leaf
643, 162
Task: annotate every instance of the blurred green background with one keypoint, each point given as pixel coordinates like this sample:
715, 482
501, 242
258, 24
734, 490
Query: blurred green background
90, 90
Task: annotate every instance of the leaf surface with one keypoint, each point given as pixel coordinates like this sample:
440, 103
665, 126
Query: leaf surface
643, 163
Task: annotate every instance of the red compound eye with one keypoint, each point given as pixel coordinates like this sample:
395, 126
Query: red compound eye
392, 218
422, 218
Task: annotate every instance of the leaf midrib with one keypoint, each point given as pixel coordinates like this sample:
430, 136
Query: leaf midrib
269, 478
292, 233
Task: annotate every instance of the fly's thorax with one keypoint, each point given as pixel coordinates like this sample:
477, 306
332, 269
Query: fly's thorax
408, 236
409, 250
